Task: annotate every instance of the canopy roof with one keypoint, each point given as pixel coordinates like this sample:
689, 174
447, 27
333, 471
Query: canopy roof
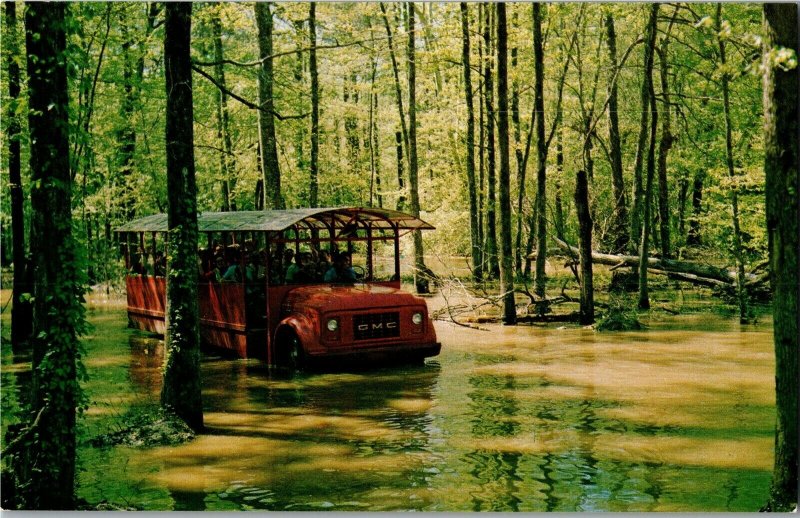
278, 220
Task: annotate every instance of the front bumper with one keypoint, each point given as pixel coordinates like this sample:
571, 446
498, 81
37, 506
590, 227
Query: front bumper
366, 354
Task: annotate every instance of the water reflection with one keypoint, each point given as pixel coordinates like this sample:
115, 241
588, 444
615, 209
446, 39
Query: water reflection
675, 418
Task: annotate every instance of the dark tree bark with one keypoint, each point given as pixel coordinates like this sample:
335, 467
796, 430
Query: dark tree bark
181, 389
619, 229
557, 200
46, 462
21, 309
585, 256
664, 145
481, 190
313, 189
401, 199
374, 147
227, 167
519, 261
474, 231
781, 137
737, 233
506, 251
541, 154
644, 243
493, 265
637, 217
693, 236
421, 272
266, 115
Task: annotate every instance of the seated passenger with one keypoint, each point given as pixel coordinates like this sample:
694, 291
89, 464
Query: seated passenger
234, 271
298, 271
323, 265
341, 271
215, 274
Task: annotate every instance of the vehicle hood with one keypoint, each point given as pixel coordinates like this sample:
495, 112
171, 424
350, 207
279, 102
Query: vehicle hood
348, 297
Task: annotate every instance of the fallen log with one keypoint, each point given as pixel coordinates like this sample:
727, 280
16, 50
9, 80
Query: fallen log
692, 272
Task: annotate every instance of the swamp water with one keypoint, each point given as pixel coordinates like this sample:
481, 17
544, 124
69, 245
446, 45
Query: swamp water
678, 417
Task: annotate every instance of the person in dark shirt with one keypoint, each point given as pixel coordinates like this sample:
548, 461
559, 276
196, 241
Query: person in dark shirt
341, 271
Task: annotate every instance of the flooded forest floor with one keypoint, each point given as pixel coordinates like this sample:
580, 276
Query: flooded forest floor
677, 416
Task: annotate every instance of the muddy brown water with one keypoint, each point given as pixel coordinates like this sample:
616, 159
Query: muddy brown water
678, 417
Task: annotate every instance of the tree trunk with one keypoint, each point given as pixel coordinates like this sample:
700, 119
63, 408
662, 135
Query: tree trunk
470, 151
181, 389
313, 189
226, 166
401, 185
585, 255
619, 229
557, 201
266, 115
637, 217
48, 460
781, 137
664, 145
400, 111
737, 233
705, 274
644, 244
21, 309
541, 154
506, 251
520, 159
373, 142
491, 181
693, 237
420, 270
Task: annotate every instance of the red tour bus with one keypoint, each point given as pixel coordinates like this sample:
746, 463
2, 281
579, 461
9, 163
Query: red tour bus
294, 287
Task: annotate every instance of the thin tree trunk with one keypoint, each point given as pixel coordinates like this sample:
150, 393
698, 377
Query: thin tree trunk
585, 246
637, 217
557, 201
737, 233
683, 193
421, 272
313, 189
664, 145
48, 459
541, 154
21, 309
506, 251
520, 159
266, 115
693, 237
619, 229
481, 190
372, 140
644, 243
401, 185
781, 137
181, 388
470, 151
226, 166
400, 111
491, 180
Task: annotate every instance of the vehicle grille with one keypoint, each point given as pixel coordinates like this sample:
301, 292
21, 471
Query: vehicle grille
381, 325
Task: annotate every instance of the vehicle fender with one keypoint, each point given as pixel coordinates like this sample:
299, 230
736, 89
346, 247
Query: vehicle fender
304, 327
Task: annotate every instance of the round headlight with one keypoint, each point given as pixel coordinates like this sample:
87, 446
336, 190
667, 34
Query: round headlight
416, 318
333, 324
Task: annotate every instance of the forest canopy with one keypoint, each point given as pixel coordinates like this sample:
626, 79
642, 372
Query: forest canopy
117, 107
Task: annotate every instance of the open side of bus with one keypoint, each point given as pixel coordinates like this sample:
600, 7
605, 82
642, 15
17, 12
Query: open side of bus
261, 315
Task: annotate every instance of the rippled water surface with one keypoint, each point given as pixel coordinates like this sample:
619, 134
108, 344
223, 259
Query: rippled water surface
678, 417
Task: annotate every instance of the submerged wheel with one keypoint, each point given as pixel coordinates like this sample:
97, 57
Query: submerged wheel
291, 353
